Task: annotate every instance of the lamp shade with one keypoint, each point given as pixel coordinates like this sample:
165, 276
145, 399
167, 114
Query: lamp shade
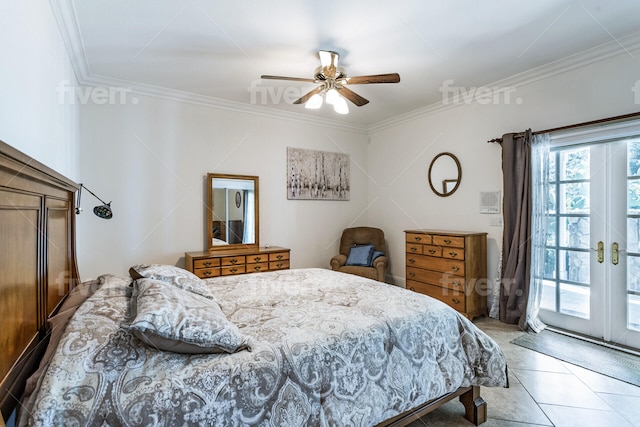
103, 211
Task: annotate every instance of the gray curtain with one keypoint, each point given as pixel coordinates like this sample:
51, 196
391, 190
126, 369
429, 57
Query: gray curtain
516, 242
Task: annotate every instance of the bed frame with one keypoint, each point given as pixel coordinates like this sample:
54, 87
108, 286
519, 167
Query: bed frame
37, 263
38, 268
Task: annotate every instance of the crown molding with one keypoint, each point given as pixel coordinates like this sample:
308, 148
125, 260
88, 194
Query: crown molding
221, 104
65, 15
622, 46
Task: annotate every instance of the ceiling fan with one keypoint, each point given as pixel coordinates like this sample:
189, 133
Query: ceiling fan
333, 81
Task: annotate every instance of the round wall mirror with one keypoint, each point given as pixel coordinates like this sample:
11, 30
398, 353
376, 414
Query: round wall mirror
445, 174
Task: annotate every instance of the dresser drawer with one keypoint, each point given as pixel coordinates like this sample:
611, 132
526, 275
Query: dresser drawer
278, 265
257, 258
414, 248
206, 263
436, 278
453, 253
432, 250
456, 242
424, 239
257, 267
443, 265
279, 256
234, 269
453, 298
206, 273
233, 260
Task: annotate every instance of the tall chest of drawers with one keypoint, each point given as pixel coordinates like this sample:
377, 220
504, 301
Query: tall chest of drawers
207, 264
449, 266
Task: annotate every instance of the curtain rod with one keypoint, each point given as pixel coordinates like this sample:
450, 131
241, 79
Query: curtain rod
577, 125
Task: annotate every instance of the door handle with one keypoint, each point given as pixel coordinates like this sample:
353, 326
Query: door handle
600, 250
615, 253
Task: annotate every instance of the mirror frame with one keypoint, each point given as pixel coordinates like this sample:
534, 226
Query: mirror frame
444, 192
209, 190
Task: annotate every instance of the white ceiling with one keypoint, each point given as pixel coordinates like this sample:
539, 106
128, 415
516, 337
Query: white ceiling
215, 51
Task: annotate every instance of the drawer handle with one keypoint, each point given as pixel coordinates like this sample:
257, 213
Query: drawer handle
279, 265
256, 259
233, 261
207, 263
413, 249
279, 257
233, 270
447, 241
456, 301
412, 274
257, 268
456, 283
453, 254
418, 238
412, 288
432, 251
411, 260
455, 268
206, 273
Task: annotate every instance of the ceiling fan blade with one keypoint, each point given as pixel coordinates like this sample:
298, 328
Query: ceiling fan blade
377, 78
308, 95
295, 79
352, 96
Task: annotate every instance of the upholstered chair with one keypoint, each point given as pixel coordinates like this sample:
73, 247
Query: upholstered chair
354, 244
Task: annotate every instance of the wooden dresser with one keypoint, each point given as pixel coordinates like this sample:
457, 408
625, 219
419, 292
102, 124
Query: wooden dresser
450, 266
207, 264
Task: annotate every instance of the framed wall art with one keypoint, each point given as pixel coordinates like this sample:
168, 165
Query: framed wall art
317, 175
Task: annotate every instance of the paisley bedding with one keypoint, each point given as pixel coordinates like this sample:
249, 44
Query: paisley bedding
326, 349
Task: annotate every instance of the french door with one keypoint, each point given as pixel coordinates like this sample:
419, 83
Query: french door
592, 256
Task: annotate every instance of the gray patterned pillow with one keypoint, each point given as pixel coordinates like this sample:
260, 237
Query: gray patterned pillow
173, 319
177, 276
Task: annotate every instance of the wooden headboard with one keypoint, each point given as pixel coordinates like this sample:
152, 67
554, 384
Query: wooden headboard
37, 263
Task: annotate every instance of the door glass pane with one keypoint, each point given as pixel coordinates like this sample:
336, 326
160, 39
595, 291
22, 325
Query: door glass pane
574, 266
633, 275
574, 198
574, 164
633, 235
574, 300
574, 232
633, 312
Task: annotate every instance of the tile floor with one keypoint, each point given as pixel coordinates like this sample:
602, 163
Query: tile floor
545, 392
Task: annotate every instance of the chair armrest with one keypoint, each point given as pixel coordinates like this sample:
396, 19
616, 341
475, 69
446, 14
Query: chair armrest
338, 261
380, 264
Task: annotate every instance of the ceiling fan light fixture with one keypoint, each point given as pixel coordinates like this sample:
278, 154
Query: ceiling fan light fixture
332, 96
340, 105
314, 102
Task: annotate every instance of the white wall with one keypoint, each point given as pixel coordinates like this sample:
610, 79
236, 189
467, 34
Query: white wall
34, 118
399, 156
150, 157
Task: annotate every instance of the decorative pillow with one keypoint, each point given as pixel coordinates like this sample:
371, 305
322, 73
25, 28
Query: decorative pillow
360, 255
176, 276
375, 255
173, 319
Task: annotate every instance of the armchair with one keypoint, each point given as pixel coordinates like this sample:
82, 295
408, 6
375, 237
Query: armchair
360, 236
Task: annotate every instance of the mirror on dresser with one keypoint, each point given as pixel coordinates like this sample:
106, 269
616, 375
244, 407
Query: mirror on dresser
232, 211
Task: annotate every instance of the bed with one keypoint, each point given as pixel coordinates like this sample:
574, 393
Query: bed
293, 347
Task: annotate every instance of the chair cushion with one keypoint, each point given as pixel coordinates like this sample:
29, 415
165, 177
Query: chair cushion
360, 255
375, 255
